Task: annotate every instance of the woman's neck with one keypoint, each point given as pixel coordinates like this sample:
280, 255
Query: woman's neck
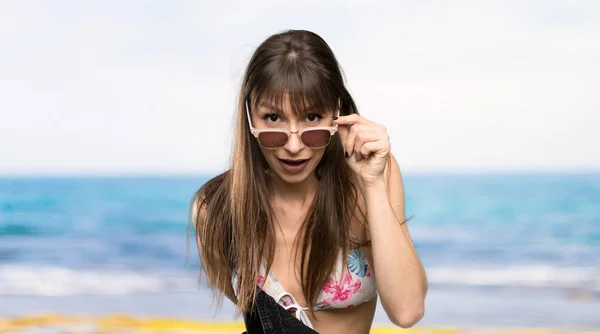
295, 195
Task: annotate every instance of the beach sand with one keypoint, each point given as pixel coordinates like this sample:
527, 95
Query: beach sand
55, 323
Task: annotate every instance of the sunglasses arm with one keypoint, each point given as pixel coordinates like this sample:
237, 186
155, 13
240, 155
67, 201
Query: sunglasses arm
252, 130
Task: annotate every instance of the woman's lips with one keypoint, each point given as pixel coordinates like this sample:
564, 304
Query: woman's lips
293, 165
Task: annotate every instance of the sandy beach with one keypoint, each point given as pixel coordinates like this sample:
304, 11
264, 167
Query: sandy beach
55, 323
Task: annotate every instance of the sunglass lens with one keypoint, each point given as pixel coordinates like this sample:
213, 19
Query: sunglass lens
316, 138
272, 139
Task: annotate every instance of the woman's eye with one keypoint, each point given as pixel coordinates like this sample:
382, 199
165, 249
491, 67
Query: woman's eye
271, 117
313, 117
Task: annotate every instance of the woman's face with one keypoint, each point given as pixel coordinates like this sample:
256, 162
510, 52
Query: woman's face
295, 161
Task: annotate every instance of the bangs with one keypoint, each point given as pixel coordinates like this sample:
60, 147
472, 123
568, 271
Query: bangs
306, 91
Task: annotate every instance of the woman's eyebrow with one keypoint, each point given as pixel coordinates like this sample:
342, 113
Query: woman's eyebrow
278, 110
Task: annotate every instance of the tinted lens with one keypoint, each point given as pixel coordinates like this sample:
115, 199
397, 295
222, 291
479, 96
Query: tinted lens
316, 138
272, 139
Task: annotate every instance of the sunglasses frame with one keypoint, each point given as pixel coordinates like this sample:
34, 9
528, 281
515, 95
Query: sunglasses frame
256, 132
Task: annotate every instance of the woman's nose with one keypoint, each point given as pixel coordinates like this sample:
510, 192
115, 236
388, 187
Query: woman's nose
294, 143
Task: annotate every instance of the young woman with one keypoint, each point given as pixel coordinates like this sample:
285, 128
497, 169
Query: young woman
312, 209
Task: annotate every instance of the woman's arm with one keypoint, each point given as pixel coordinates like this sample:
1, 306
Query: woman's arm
401, 279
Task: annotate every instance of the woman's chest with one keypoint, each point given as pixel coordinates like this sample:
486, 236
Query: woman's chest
286, 267
285, 273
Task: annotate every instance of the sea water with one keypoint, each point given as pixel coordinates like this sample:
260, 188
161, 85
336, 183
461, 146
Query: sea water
501, 250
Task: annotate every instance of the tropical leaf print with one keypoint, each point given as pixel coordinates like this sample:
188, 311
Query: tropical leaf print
356, 263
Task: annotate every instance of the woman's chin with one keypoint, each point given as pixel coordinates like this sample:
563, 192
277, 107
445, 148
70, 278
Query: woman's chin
294, 178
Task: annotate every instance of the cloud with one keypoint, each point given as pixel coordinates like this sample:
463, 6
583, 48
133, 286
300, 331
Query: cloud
100, 87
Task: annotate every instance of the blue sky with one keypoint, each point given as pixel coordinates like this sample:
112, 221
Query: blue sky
150, 86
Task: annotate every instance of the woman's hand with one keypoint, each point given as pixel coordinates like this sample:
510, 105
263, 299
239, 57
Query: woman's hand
366, 145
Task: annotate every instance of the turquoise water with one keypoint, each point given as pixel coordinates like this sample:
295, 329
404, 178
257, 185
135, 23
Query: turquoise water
481, 237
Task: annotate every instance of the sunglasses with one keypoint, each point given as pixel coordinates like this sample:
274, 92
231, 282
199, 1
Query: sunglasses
316, 137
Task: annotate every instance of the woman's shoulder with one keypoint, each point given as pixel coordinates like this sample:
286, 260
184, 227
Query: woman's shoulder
210, 191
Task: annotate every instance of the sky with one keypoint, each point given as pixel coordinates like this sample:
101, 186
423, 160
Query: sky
147, 87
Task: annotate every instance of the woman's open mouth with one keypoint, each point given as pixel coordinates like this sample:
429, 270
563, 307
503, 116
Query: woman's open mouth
293, 165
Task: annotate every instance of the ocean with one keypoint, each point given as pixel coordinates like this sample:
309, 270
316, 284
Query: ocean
500, 250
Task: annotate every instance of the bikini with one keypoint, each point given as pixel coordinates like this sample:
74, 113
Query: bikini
346, 289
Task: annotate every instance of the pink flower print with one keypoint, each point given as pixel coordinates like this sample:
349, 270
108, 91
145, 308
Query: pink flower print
342, 291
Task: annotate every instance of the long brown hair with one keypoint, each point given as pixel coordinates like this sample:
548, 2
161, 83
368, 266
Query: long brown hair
234, 230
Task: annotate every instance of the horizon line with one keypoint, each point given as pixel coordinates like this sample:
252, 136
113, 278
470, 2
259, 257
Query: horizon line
212, 173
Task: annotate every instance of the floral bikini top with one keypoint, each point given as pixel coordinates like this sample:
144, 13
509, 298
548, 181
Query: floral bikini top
345, 289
